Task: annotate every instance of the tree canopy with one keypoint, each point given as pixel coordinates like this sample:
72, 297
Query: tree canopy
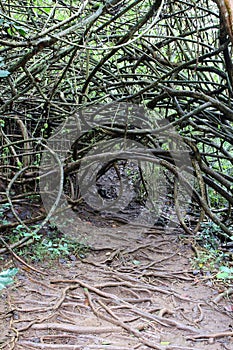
174, 58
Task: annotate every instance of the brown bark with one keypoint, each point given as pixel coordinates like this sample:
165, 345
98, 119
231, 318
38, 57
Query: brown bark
226, 11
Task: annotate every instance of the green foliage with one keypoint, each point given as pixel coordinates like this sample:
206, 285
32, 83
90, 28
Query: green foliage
208, 261
3, 209
208, 237
214, 155
3, 73
44, 130
5, 151
211, 259
50, 245
12, 28
6, 277
56, 247
20, 232
211, 255
225, 273
46, 244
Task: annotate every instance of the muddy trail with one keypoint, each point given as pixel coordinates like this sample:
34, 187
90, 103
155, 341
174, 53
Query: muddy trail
135, 289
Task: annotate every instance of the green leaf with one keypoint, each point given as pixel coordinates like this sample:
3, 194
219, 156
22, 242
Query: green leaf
2, 286
136, 262
9, 272
6, 277
225, 269
165, 343
5, 280
20, 30
222, 275
4, 73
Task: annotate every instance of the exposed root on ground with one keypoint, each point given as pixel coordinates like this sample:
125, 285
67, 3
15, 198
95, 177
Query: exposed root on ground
139, 296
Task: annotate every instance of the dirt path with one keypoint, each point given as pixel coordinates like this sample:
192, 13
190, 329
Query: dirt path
134, 290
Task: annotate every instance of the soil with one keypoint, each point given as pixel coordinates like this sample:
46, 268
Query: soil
135, 289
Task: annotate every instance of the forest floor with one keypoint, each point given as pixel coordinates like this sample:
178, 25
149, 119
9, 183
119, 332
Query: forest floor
135, 289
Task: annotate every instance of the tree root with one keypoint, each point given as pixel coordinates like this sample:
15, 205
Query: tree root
226, 293
70, 347
211, 335
29, 267
75, 328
